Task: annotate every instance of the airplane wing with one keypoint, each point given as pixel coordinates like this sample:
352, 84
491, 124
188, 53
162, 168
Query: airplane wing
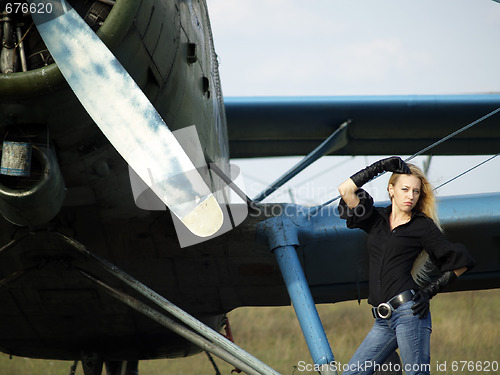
381, 125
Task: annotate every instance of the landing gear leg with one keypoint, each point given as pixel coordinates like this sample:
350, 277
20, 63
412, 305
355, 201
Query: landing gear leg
92, 364
122, 368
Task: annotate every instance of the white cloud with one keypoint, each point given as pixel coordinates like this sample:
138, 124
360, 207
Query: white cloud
280, 47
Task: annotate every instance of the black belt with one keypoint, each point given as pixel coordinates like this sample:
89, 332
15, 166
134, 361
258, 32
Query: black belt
385, 309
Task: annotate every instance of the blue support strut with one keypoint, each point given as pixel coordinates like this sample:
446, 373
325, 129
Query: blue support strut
304, 306
282, 235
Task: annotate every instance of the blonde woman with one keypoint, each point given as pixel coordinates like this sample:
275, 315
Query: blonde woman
396, 236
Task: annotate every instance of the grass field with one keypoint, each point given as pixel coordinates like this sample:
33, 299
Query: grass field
466, 327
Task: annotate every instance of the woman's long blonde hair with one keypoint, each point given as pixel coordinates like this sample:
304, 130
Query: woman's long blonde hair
427, 201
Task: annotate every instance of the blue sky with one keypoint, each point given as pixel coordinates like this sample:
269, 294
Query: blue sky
357, 47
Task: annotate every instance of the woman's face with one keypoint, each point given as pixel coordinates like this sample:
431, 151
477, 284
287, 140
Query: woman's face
405, 192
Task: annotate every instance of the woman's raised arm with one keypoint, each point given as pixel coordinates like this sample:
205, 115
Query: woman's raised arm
347, 190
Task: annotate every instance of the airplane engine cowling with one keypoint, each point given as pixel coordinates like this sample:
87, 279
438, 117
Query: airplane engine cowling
37, 200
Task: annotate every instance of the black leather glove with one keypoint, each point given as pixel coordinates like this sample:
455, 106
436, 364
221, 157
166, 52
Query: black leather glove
392, 164
423, 296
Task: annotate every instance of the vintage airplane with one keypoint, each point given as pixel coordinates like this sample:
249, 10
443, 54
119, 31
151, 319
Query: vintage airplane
75, 249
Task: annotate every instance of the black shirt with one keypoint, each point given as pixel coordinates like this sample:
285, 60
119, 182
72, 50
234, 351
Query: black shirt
392, 253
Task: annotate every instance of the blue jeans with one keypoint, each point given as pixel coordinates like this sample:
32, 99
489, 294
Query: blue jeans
404, 330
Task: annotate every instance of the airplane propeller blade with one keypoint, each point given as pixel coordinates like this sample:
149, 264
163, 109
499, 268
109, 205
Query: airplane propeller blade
126, 117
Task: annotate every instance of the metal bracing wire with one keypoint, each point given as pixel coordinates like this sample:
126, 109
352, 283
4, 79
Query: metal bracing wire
466, 127
424, 150
467, 171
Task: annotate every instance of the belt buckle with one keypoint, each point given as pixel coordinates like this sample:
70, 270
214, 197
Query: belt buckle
384, 310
